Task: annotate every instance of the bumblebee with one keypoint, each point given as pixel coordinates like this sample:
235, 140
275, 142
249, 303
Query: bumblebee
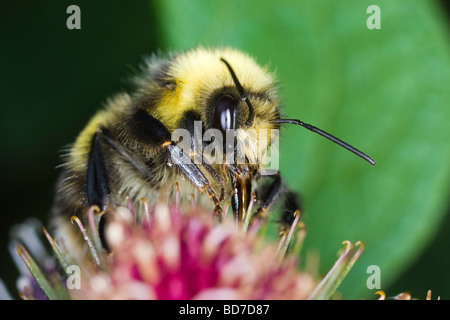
127, 149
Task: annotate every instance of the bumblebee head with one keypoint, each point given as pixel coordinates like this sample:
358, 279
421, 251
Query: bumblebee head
228, 93
249, 115
252, 140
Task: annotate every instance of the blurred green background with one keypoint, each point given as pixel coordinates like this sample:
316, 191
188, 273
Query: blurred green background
385, 91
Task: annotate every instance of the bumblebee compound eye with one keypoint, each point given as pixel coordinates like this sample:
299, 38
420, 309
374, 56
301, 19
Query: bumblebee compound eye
244, 98
224, 114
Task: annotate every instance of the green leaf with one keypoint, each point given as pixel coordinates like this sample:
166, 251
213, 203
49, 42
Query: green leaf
384, 91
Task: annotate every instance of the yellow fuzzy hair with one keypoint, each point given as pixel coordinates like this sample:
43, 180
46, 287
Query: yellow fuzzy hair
201, 70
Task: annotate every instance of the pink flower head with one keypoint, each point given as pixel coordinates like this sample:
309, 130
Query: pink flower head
189, 256
180, 254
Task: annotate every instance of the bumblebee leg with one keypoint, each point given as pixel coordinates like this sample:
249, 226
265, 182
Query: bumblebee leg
216, 178
185, 165
151, 131
273, 192
269, 196
290, 205
97, 184
97, 178
188, 121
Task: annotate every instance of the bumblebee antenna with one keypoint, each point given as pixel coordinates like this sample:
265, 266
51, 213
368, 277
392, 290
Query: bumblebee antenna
329, 137
241, 92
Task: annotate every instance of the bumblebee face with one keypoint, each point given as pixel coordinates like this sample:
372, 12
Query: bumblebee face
228, 92
253, 131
